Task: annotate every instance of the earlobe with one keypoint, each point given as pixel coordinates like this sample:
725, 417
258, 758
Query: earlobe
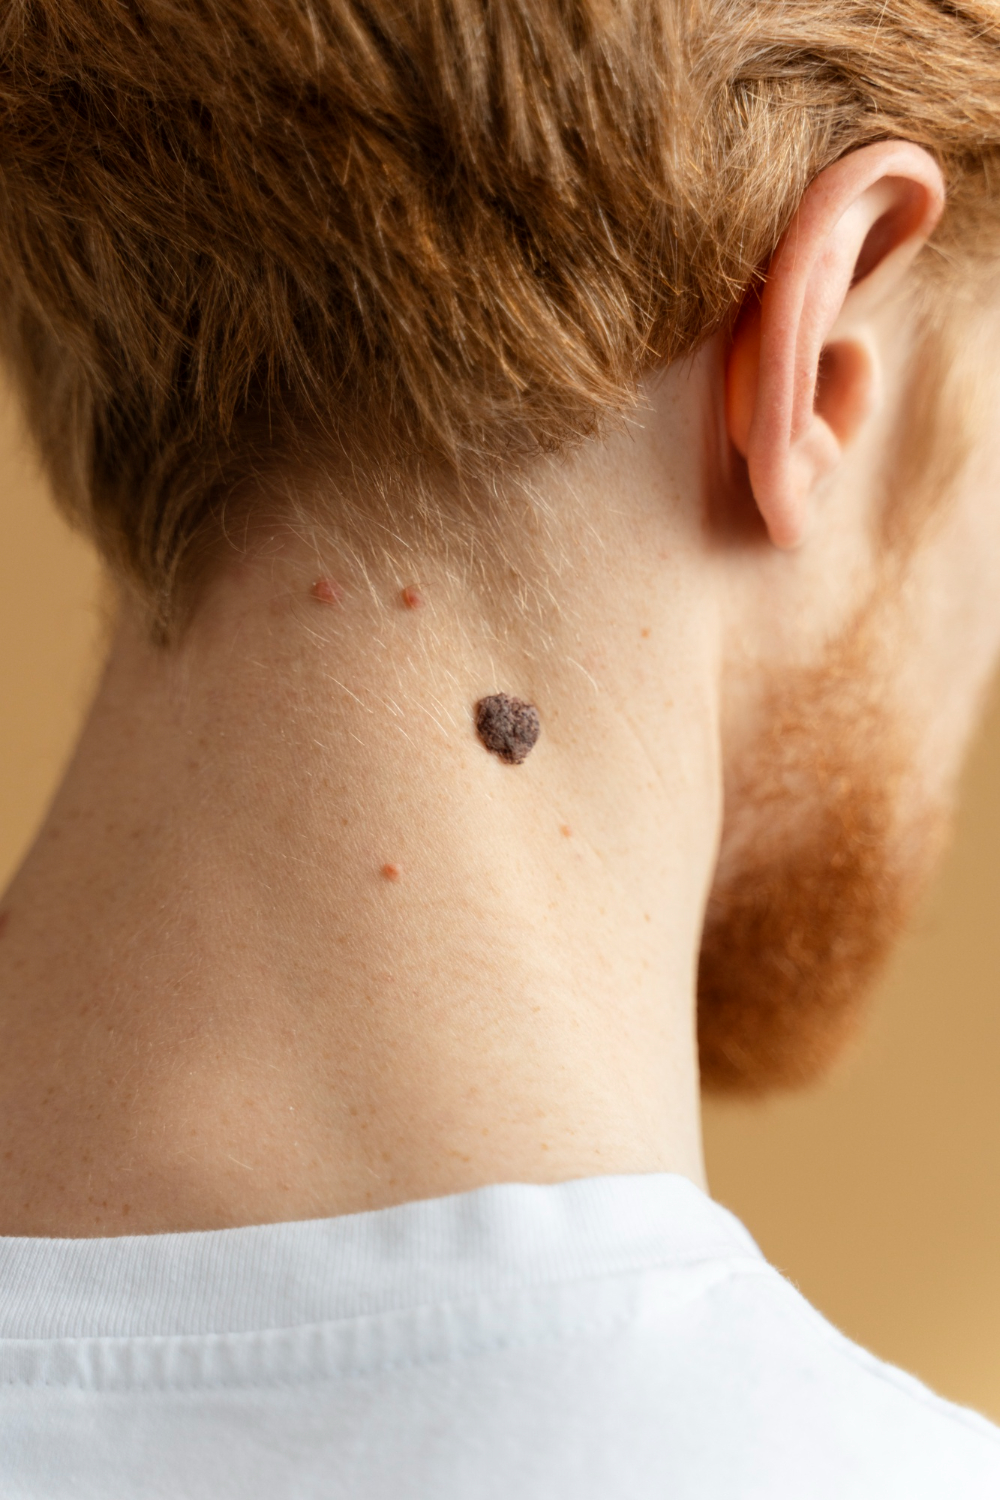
796, 390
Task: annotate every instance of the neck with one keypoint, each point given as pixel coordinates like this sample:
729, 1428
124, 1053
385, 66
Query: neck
293, 943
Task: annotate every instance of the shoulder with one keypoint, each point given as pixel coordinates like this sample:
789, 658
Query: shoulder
773, 1390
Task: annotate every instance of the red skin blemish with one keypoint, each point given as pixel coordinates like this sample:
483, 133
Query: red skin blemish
412, 597
391, 872
326, 591
566, 831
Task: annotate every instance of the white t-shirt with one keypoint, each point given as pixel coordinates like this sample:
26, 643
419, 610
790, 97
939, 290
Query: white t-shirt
619, 1337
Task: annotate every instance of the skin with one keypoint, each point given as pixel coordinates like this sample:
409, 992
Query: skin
218, 1007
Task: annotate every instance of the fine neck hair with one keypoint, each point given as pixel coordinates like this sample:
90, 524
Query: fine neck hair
292, 942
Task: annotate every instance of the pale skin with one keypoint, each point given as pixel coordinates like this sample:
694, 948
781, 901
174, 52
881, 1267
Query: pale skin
292, 943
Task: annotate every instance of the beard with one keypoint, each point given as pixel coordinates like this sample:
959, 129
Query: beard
828, 840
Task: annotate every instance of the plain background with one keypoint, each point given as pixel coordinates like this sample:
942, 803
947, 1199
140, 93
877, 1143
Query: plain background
878, 1192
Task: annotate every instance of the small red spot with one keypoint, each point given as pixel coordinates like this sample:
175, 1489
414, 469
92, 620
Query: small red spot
644, 632
326, 591
391, 872
412, 597
566, 831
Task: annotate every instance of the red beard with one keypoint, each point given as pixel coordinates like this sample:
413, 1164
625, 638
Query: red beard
826, 847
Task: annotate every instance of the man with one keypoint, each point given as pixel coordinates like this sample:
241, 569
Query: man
547, 455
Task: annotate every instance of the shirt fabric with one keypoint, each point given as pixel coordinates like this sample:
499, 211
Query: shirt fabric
617, 1337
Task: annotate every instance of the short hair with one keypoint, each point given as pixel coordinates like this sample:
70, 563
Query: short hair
393, 236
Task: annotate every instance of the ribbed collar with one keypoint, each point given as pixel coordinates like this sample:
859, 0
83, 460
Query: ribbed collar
492, 1240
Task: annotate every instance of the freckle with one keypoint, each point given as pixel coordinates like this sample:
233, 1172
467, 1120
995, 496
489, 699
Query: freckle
566, 831
647, 917
644, 632
325, 591
4, 919
412, 597
391, 872
126, 1208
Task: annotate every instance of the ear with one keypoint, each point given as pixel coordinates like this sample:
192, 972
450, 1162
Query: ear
801, 374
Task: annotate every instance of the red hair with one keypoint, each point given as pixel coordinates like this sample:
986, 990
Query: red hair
378, 236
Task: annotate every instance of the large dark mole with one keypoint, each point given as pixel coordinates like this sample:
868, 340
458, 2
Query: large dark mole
508, 726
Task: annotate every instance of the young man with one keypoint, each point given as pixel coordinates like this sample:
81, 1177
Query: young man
547, 455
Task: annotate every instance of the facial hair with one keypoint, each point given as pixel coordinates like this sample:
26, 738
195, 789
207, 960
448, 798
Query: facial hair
827, 844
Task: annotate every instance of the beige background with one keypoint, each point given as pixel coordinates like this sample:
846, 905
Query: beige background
878, 1193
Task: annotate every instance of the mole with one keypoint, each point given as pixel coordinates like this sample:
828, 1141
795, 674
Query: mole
326, 591
412, 597
508, 726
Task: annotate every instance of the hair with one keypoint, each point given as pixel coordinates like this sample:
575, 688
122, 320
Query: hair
385, 238
828, 843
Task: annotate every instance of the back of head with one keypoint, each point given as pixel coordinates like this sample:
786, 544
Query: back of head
385, 242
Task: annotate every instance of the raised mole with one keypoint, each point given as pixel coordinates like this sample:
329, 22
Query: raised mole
508, 726
326, 591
